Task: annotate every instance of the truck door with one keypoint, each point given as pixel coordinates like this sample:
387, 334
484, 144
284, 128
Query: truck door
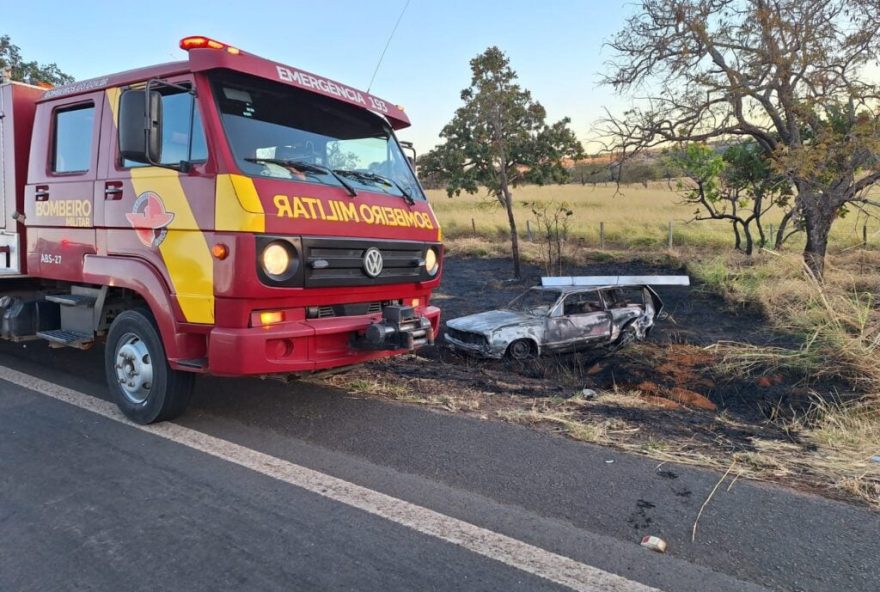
163, 214
59, 204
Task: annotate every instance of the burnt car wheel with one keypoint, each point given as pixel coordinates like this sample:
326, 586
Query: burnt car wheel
628, 335
522, 349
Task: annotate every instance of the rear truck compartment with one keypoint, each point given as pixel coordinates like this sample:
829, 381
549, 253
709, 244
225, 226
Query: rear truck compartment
17, 105
186, 218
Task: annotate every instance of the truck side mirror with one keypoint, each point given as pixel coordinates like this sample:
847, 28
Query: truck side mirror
140, 126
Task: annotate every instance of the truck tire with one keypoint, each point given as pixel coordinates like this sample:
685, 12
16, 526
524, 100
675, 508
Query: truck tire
142, 384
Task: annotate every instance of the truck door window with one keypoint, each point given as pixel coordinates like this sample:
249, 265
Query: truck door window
177, 106
72, 142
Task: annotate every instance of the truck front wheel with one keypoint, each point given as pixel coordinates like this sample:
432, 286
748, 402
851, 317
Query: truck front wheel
143, 385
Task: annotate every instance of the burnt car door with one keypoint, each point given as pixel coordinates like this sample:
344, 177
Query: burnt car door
580, 319
627, 303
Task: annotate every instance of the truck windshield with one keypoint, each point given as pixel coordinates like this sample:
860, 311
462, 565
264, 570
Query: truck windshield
282, 132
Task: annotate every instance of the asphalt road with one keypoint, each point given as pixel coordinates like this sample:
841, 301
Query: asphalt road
264, 486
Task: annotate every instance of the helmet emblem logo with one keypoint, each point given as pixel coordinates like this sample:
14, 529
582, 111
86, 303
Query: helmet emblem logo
373, 262
150, 219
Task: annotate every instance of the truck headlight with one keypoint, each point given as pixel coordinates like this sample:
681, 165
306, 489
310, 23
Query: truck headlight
276, 259
432, 262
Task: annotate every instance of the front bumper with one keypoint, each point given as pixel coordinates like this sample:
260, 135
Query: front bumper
303, 346
484, 350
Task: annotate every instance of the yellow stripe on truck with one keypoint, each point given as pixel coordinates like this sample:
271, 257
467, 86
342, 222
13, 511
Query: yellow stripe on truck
237, 205
113, 101
185, 249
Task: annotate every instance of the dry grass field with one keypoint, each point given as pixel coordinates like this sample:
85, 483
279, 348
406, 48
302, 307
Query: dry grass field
635, 217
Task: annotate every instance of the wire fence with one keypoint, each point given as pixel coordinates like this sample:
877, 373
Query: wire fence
676, 233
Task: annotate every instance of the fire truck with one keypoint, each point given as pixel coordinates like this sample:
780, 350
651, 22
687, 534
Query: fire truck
224, 215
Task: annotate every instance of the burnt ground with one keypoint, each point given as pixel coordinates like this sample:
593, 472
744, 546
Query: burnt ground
664, 396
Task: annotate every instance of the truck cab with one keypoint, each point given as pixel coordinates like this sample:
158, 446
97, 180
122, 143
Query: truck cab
223, 214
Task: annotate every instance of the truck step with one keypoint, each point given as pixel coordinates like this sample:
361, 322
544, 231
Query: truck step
62, 338
72, 299
197, 363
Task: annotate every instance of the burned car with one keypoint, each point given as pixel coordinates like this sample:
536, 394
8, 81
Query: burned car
564, 315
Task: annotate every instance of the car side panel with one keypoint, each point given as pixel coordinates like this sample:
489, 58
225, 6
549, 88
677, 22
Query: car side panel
565, 332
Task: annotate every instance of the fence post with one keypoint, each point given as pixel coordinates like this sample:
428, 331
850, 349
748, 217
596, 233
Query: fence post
772, 240
865, 236
602, 235
670, 234
529, 229
474, 226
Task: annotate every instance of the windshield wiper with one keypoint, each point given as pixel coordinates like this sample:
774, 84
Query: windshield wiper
376, 178
308, 167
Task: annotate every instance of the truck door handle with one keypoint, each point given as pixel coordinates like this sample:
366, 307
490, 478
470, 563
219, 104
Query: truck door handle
41, 193
113, 190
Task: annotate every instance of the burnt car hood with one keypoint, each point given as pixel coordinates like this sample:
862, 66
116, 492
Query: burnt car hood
486, 322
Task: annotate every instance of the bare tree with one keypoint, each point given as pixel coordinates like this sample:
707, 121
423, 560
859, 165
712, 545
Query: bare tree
790, 74
552, 221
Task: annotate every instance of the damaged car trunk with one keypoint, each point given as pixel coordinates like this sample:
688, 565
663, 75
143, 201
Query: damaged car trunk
565, 314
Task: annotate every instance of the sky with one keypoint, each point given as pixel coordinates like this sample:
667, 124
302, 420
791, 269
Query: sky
556, 46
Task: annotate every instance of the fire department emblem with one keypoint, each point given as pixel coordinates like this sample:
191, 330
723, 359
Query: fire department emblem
373, 263
150, 219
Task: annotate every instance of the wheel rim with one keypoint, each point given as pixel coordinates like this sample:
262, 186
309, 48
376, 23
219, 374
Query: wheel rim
134, 368
520, 350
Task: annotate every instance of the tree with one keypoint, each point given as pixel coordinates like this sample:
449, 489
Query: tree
499, 139
738, 186
29, 72
789, 74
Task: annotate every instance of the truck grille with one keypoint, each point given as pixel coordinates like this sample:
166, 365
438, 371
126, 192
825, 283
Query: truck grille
467, 336
329, 311
335, 262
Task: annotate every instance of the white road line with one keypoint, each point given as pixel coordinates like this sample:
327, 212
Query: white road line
515, 553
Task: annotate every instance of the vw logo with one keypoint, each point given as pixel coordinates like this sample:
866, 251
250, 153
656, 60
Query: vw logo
373, 262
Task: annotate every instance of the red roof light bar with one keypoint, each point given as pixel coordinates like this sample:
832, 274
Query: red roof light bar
200, 42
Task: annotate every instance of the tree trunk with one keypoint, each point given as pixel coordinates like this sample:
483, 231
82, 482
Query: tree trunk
738, 244
750, 242
780, 234
514, 239
818, 220
757, 210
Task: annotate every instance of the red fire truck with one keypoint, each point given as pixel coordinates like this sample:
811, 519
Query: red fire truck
222, 215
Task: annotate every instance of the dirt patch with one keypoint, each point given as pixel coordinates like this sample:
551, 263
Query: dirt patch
663, 397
